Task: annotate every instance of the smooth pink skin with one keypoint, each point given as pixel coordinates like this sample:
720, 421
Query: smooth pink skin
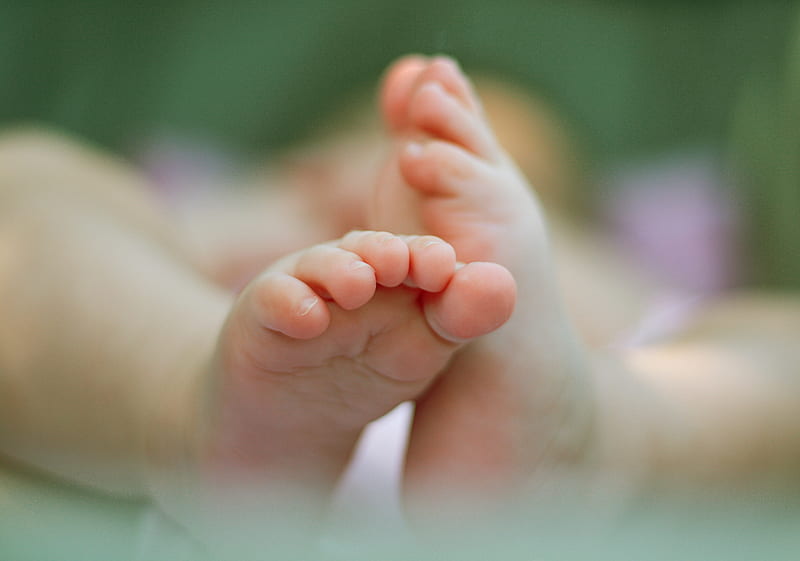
436, 112
291, 301
402, 75
479, 299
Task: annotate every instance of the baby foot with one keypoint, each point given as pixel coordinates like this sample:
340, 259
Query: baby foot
335, 336
322, 343
516, 401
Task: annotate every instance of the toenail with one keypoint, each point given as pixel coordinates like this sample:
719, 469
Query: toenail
414, 149
307, 305
435, 86
355, 265
432, 242
453, 63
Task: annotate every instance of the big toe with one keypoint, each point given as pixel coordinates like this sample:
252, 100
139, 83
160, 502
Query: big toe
397, 87
479, 299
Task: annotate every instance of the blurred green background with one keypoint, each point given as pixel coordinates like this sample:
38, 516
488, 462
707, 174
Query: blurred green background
633, 78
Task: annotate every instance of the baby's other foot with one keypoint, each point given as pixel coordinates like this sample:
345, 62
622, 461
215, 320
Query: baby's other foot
516, 402
447, 172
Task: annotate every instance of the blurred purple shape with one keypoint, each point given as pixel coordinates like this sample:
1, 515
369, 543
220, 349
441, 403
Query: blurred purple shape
678, 218
181, 167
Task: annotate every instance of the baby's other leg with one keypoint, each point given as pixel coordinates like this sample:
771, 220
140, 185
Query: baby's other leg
517, 402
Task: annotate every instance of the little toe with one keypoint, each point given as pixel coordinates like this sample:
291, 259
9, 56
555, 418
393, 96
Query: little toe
479, 299
433, 262
434, 111
397, 86
283, 303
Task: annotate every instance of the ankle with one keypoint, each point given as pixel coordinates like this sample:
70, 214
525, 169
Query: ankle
629, 416
176, 415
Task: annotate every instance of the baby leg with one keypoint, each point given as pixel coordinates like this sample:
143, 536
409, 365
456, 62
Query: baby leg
322, 343
518, 400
